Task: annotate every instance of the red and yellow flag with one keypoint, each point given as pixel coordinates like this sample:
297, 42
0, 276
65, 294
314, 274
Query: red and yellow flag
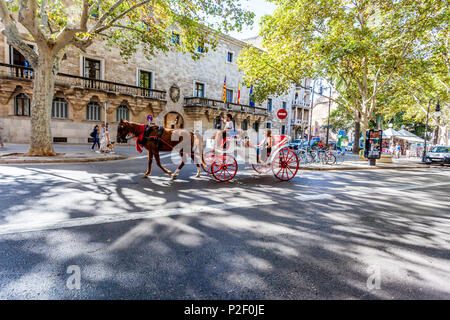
239, 93
225, 89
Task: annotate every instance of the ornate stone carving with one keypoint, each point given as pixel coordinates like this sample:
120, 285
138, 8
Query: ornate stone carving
174, 93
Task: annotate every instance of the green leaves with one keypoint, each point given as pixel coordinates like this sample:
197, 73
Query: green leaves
364, 46
148, 25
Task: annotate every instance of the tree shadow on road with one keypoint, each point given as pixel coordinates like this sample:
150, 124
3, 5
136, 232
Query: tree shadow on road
290, 250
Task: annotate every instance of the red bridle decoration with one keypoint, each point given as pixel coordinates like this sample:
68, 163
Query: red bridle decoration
140, 135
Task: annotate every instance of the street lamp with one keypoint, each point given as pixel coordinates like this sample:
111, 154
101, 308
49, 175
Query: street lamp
310, 112
328, 122
437, 113
312, 106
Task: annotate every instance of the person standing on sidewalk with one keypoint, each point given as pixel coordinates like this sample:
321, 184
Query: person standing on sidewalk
104, 139
95, 137
1, 140
397, 151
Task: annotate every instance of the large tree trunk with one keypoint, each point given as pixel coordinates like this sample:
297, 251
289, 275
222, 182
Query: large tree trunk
444, 135
44, 83
357, 135
436, 133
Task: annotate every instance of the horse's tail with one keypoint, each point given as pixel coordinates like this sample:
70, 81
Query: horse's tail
199, 145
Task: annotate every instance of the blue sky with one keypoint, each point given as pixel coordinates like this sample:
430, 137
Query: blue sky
260, 8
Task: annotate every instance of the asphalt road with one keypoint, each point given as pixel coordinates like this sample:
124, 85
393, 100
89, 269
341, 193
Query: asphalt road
378, 234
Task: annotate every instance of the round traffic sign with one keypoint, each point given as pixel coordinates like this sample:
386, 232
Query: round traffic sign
149, 118
282, 114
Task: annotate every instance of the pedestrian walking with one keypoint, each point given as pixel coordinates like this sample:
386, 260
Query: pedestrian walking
104, 138
397, 151
1, 139
392, 149
95, 137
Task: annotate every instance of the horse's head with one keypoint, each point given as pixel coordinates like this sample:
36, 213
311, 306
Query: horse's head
124, 130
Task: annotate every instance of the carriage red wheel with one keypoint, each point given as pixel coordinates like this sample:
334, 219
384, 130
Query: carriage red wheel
285, 164
224, 167
261, 167
209, 159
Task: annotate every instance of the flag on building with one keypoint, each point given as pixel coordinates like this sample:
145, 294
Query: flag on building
252, 103
239, 93
225, 90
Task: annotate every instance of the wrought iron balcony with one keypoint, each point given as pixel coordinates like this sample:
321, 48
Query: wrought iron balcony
303, 104
299, 122
190, 102
15, 72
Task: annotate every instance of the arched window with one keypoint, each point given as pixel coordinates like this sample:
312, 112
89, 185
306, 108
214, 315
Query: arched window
22, 105
122, 113
60, 109
244, 125
218, 123
93, 111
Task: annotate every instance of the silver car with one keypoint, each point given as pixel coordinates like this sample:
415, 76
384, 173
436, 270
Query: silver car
438, 154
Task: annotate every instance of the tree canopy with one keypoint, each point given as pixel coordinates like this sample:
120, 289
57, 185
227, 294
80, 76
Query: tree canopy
128, 25
147, 24
360, 45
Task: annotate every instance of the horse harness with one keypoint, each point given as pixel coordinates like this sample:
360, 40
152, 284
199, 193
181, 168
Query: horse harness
148, 137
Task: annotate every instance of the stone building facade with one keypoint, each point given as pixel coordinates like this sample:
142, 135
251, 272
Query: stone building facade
309, 112
300, 111
97, 86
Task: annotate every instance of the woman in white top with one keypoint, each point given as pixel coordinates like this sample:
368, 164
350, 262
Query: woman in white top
229, 125
104, 139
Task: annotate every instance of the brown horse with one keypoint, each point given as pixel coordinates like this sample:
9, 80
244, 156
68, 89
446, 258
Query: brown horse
170, 140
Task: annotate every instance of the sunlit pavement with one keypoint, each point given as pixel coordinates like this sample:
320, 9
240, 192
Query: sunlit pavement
333, 234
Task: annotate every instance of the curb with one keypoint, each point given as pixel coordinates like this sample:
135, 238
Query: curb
363, 168
65, 160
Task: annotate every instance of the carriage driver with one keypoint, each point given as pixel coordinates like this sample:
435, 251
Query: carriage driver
229, 126
267, 144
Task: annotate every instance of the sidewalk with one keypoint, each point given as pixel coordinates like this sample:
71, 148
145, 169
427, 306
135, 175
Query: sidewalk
66, 153
354, 163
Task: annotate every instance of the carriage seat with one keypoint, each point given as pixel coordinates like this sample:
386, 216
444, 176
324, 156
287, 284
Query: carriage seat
233, 133
279, 140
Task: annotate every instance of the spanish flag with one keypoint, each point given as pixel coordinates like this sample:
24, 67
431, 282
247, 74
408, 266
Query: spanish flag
239, 93
225, 89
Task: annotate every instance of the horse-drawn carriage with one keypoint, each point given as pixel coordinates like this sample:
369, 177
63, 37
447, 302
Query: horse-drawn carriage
222, 164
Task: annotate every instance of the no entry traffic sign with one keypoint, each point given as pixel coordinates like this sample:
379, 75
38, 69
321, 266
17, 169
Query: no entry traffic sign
282, 114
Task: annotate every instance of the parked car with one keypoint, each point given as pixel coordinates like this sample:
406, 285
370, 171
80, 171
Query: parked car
349, 147
438, 154
296, 144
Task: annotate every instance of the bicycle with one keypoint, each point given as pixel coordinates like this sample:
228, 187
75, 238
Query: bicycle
340, 155
302, 155
326, 156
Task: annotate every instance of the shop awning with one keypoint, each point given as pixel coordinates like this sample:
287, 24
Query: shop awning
391, 133
405, 133
411, 139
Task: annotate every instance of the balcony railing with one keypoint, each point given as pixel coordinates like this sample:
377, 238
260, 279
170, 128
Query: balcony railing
220, 105
10, 71
299, 122
304, 104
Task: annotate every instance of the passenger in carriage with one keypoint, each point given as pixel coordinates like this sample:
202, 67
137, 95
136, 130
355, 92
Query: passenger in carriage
265, 144
229, 126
